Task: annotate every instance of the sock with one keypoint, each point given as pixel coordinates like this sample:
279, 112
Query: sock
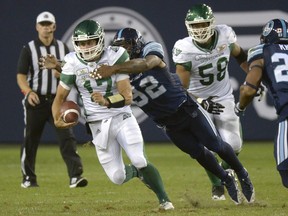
227, 152
225, 165
209, 162
131, 172
152, 179
213, 179
242, 174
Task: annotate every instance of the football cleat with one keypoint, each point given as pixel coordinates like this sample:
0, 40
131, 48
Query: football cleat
166, 206
29, 184
232, 187
247, 189
78, 182
218, 193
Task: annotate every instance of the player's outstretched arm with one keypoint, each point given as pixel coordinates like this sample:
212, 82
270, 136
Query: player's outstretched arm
138, 65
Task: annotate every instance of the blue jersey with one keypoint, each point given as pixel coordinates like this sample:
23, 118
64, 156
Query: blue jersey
157, 92
275, 73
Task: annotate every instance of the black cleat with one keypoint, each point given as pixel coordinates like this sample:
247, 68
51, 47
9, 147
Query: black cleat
78, 182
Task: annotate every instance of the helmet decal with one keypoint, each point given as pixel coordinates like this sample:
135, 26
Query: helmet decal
200, 14
268, 28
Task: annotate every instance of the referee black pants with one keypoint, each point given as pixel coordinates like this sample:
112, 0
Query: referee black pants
35, 119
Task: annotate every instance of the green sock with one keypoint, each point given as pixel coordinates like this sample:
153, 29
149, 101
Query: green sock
131, 172
225, 165
152, 179
213, 179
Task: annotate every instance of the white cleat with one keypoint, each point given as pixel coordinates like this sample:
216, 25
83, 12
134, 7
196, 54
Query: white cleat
166, 206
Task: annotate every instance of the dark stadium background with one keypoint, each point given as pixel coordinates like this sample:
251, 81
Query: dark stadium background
17, 20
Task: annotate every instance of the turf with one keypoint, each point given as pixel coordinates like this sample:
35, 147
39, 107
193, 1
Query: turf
185, 182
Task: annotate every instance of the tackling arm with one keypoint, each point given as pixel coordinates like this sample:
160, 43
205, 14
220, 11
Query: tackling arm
50, 62
138, 65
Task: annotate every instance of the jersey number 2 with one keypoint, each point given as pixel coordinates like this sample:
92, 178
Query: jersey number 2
281, 70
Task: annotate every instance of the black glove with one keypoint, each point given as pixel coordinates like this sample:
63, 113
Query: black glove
210, 106
238, 110
260, 92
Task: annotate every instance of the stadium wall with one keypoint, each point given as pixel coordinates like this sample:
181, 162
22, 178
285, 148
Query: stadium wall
158, 20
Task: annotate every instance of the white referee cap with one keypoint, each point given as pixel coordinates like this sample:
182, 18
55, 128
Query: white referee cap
45, 17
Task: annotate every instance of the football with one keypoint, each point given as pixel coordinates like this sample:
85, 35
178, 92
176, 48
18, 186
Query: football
71, 111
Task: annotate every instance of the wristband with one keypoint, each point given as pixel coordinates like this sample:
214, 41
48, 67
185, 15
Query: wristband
241, 110
116, 101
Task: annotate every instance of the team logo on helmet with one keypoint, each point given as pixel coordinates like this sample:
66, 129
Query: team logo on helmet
268, 28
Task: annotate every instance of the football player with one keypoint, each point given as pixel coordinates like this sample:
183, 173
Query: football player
268, 62
201, 61
107, 109
159, 93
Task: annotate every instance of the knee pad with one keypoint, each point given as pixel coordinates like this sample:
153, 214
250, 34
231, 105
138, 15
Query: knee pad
118, 177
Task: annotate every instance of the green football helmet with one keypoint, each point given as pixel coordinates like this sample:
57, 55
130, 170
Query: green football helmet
88, 30
200, 13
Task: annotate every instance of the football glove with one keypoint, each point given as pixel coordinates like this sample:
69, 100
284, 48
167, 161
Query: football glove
210, 106
238, 110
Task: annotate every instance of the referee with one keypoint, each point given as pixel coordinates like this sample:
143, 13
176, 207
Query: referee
39, 89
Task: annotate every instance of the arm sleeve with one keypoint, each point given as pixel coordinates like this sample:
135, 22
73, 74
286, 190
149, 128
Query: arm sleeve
153, 48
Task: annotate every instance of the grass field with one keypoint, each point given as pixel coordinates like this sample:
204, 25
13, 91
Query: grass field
185, 181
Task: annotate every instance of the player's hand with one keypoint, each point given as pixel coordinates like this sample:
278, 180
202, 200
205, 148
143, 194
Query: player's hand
98, 98
48, 62
103, 71
261, 92
211, 106
238, 110
59, 122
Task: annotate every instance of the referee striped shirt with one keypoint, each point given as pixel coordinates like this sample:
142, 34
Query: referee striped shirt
43, 82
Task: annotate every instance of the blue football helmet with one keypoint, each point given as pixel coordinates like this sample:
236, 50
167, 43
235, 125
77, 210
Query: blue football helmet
275, 31
131, 40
